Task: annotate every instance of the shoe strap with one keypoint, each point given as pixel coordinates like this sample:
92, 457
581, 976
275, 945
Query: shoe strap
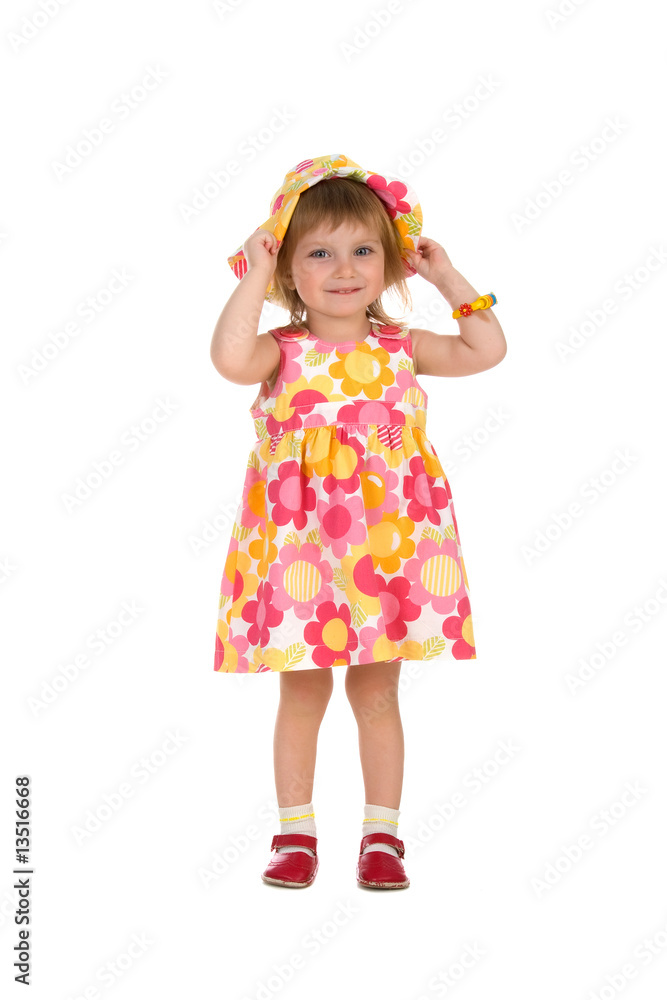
294, 840
383, 838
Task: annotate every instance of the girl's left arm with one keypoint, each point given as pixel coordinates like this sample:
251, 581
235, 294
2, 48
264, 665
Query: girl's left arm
480, 343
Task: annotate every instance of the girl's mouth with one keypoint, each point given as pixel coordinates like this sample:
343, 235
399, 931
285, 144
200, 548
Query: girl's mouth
335, 291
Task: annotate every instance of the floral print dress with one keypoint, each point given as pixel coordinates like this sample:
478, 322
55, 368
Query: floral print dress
345, 547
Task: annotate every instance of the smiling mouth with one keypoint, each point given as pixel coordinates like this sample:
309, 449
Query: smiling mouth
340, 291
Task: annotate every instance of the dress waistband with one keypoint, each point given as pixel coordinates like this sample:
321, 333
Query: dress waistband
275, 424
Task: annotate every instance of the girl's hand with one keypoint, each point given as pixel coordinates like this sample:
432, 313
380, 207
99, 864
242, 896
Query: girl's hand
261, 251
430, 260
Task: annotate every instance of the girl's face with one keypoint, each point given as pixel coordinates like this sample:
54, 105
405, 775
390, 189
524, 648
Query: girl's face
326, 261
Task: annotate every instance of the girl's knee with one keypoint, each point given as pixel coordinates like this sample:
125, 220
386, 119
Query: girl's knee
309, 688
372, 693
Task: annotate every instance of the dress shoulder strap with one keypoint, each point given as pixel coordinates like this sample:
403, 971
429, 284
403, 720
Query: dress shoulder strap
387, 332
383, 330
288, 333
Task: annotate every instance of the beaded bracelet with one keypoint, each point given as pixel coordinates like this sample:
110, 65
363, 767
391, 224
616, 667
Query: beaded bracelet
483, 302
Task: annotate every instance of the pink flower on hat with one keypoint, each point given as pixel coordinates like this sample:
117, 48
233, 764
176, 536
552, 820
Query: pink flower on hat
277, 204
391, 194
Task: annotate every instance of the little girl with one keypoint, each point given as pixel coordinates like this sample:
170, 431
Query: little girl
345, 550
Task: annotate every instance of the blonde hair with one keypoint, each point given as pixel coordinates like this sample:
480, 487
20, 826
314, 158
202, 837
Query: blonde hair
338, 200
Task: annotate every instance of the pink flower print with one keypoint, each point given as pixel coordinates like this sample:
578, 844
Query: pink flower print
391, 194
262, 615
332, 637
372, 412
230, 653
304, 165
301, 403
290, 495
368, 636
278, 203
425, 498
459, 627
389, 341
292, 367
341, 521
436, 575
397, 608
404, 382
301, 579
362, 587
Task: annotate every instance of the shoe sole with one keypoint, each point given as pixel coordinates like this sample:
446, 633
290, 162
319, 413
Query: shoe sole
292, 885
289, 885
384, 885
381, 885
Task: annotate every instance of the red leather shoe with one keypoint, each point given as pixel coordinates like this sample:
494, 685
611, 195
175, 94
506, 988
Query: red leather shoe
295, 869
380, 870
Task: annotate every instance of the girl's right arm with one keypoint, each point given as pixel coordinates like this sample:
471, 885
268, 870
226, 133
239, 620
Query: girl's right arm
237, 352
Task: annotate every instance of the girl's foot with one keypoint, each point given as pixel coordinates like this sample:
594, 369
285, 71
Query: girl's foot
379, 870
294, 869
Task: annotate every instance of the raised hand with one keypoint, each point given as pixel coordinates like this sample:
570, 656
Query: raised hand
430, 260
261, 251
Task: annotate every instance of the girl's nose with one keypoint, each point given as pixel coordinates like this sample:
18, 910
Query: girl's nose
346, 265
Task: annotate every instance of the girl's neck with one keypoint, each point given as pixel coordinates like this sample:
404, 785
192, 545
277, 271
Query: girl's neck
338, 329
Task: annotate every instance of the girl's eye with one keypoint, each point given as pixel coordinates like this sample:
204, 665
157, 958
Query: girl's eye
360, 248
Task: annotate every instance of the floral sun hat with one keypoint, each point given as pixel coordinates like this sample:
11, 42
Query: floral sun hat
399, 200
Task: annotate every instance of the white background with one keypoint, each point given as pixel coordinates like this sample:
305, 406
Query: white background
375, 93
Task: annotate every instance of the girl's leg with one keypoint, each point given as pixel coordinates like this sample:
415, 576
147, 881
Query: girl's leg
372, 690
304, 696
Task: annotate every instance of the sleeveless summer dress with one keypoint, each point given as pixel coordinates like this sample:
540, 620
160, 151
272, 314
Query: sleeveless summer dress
345, 547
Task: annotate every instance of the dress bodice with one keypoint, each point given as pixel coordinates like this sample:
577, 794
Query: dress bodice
319, 383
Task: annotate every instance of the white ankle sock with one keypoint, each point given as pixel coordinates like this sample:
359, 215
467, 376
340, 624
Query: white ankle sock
380, 819
297, 819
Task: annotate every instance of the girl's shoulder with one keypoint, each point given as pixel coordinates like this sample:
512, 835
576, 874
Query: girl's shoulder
414, 340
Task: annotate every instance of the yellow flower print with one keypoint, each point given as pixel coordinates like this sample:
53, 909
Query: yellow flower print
275, 659
431, 461
404, 230
280, 228
263, 549
364, 370
323, 454
321, 384
385, 649
256, 499
237, 570
390, 541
